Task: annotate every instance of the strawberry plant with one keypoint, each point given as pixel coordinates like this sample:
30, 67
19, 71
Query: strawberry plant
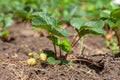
84, 27
5, 22
58, 35
114, 22
107, 13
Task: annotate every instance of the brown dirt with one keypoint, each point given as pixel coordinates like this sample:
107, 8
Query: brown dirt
98, 63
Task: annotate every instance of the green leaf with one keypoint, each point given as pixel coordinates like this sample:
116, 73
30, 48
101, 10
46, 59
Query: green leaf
92, 27
8, 22
5, 33
49, 53
6, 19
51, 21
65, 45
86, 31
64, 61
21, 13
49, 24
95, 24
105, 14
58, 61
54, 39
0, 34
77, 22
115, 15
48, 19
39, 22
51, 60
59, 32
61, 22
117, 23
111, 24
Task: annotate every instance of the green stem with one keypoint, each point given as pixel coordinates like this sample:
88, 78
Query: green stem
75, 42
73, 46
60, 51
66, 55
82, 48
3, 26
74, 39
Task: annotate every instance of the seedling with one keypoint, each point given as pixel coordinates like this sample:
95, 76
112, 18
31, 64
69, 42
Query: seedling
84, 27
5, 22
114, 22
58, 35
24, 14
115, 18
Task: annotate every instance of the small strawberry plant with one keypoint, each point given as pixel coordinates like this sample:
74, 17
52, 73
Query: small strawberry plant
84, 27
114, 22
58, 35
5, 22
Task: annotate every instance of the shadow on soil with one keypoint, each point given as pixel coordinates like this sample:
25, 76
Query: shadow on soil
10, 39
117, 55
97, 66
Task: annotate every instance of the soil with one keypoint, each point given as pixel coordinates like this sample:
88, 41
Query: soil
96, 62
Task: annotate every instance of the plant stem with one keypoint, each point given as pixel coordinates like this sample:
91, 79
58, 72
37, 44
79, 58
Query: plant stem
60, 51
75, 37
82, 48
73, 45
55, 50
66, 56
75, 42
